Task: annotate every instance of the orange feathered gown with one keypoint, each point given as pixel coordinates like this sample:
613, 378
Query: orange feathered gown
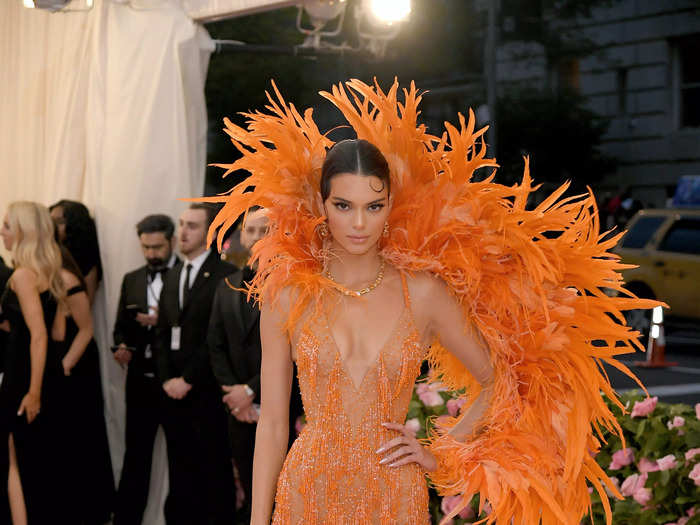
531, 281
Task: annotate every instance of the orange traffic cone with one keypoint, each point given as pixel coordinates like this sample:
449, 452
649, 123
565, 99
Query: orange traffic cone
656, 346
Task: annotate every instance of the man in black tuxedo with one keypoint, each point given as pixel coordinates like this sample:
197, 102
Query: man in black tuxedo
134, 332
199, 457
235, 352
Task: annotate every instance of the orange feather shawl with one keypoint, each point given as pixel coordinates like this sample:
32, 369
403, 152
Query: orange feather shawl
537, 299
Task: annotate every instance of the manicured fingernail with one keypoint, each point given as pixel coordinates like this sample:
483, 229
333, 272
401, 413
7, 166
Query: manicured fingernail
380, 450
381, 462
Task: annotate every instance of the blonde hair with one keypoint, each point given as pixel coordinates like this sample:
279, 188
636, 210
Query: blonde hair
35, 246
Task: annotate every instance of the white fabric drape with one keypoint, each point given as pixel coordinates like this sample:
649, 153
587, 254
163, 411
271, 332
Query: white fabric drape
105, 107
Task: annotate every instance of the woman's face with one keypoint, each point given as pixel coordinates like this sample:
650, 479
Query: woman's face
356, 211
8, 238
59, 221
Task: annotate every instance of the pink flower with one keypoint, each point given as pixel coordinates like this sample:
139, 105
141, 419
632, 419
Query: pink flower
691, 512
647, 465
642, 496
667, 462
429, 395
690, 454
677, 422
644, 408
695, 474
299, 425
633, 483
454, 405
621, 458
413, 425
697, 410
616, 483
449, 503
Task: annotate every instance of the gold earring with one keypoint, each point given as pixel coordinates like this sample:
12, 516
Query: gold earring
323, 230
385, 232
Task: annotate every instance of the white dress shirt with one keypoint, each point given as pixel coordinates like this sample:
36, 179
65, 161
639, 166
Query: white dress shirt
196, 263
155, 285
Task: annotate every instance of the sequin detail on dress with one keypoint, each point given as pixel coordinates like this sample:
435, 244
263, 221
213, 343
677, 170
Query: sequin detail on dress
332, 473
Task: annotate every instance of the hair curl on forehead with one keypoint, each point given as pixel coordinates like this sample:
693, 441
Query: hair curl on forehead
355, 156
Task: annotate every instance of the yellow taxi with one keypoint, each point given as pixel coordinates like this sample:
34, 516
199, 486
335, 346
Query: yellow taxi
665, 244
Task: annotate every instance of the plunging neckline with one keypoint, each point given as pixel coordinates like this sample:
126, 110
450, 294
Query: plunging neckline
373, 363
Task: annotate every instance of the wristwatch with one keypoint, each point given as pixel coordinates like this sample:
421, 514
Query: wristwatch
249, 391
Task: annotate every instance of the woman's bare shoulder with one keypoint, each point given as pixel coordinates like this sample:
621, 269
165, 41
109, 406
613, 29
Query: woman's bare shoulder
425, 286
23, 278
69, 279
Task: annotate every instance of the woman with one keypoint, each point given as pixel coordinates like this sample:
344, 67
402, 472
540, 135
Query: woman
35, 289
381, 253
367, 339
81, 388
77, 232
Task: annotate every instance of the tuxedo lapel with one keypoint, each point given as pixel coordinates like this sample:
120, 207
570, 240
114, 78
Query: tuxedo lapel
250, 313
203, 276
141, 292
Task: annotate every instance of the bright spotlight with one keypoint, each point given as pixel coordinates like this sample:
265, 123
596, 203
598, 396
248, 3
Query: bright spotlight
389, 11
658, 315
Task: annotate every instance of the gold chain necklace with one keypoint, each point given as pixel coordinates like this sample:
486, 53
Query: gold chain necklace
363, 291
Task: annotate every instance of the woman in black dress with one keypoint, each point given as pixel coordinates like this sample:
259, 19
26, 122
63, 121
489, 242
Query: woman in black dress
82, 388
29, 304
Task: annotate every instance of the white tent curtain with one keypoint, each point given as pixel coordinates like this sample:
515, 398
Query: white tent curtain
106, 107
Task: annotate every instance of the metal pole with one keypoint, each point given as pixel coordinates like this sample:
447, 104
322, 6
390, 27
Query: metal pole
490, 74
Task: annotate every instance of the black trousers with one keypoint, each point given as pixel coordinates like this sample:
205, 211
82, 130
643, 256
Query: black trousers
144, 414
242, 437
202, 490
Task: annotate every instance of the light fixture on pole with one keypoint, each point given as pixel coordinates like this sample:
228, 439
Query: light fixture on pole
59, 5
320, 12
379, 21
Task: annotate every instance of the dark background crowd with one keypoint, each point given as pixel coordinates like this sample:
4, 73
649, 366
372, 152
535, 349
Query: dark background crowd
189, 341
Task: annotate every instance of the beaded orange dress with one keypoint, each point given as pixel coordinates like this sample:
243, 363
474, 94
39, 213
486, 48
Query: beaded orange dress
332, 472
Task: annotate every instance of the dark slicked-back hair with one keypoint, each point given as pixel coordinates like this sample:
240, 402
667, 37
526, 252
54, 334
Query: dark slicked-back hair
354, 156
156, 223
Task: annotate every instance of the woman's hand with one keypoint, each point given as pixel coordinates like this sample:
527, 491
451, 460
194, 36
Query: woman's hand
31, 403
406, 449
67, 366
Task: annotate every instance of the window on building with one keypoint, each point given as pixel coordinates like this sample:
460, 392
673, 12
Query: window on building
622, 90
568, 75
683, 237
688, 80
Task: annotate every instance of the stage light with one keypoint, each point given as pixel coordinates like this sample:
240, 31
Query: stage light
324, 10
389, 11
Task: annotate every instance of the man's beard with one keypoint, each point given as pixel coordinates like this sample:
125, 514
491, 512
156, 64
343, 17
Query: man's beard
156, 264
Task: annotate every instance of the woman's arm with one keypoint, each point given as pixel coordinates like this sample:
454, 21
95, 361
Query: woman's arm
79, 307
24, 284
92, 283
272, 434
446, 321
438, 314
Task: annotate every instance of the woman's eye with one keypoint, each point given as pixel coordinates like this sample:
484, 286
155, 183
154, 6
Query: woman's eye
342, 205
375, 207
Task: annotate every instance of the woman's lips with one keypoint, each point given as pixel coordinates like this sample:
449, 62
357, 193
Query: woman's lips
357, 239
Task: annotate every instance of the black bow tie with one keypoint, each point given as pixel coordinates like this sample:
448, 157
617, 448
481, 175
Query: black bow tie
153, 272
